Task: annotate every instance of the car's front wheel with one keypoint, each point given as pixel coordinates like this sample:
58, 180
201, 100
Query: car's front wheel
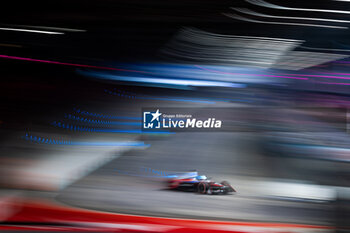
202, 188
229, 188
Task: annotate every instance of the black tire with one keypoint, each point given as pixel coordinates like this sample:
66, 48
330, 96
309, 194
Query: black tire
202, 188
227, 184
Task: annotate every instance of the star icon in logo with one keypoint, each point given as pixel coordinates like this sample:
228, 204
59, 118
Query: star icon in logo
156, 115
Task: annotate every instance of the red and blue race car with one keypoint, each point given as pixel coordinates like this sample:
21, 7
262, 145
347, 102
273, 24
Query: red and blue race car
191, 181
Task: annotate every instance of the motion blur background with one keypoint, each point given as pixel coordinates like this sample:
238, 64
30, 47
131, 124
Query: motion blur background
76, 74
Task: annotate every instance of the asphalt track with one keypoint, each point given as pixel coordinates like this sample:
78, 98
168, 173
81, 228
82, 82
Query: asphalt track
124, 185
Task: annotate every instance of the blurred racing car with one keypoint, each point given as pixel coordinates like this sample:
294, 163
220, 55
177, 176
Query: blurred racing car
191, 181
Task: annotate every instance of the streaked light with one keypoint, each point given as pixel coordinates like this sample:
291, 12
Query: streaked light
134, 144
30, 30
166, 81
193, 44
11, 45
48, 28
78, 128
234, 16
274, 6
55, 141
296, 60
132, 131
322, 76
263, 75
99, 122
325, 49
193, 30
104, 116
68, 64
250, 12
145, 97
332, 83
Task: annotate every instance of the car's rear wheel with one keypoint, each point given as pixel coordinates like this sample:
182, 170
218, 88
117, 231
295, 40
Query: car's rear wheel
202, 188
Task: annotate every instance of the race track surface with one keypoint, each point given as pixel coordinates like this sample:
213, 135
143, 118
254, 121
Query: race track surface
124, 185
